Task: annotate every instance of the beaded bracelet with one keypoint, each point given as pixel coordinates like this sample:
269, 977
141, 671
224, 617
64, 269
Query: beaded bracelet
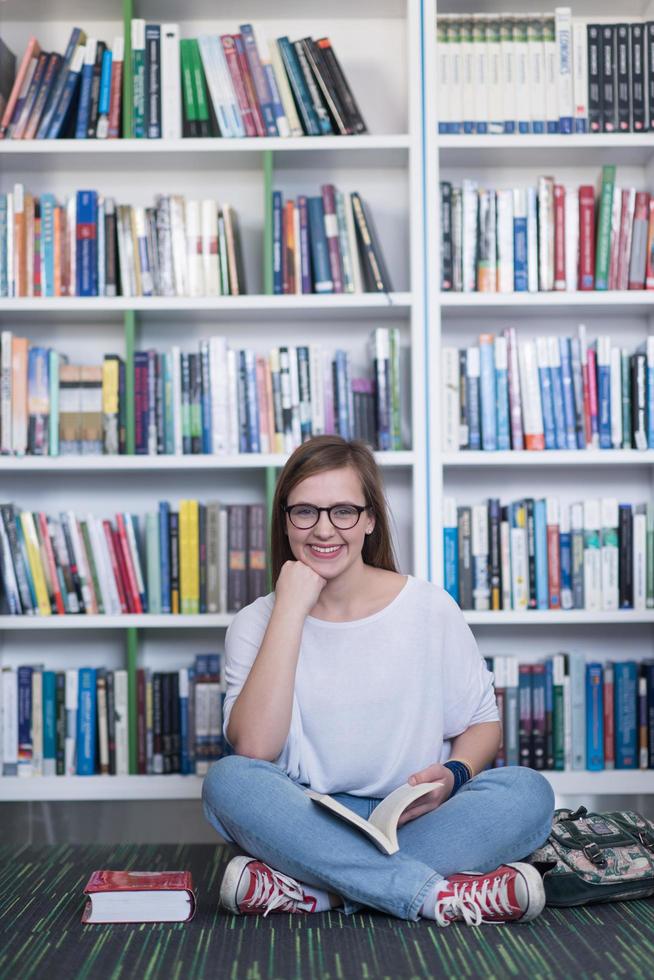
461, 772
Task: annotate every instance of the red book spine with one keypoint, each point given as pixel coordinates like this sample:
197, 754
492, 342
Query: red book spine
586, 237
553, 566
331, 232
609, 731
592, 394
31, 51
649, 273
559, 237
115, 96
52, 567
142, 766
129, 568
248, 84
231, 57
115, 567
284, 253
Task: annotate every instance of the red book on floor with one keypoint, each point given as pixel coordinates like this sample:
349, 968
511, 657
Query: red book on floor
139, 896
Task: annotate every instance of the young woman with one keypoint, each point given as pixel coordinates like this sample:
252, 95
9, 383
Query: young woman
352, 679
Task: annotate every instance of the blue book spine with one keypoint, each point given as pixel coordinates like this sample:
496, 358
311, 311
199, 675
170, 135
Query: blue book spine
474, 418
502, 404
520, 255
322, 274
299, 87
259, 79
552, 126
649, 674
84, 106
604, 401
581, 125
58, 87
569, 412
86, 721
104, 100
49, 723
184, 755
20, 538
488, 397
594, 717
4, 283
25, 745
252, 401
305, 258
276, 98
277, 203
65, 102
164, 554
48, 205
547, 402
86, 266
557, 400
341, 389
205, 404
169, 428
626, 724
549, 713
540, 535
565, 548
451, 561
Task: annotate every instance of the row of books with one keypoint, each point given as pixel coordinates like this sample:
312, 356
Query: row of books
548, 393
213, 85
199, 558
547, 554
215, 400
544, 73
77, 722
544, 238
563, 713
88, 245
326, 244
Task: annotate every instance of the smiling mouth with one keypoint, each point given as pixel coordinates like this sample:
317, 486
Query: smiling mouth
326, 551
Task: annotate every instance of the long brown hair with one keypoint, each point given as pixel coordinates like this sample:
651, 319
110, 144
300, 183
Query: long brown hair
332, 452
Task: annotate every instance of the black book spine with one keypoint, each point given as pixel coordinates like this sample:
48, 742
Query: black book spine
122, 408
186, 404
525, 715
639, 400
157, 722
464, 522
256, 551
531, 552
337, 111
111, 721
625, 566
244, 440
464, 427
539, 718
494, 518
637, 78
355, 119
60, 722
174, 562
624, 75
153, 80
166, 722
161, 420
92, 124
649, 69
373, 259
7, 513
609, 76
175, 732
202, 535
447, 263
72, 564
594, 38
237, 547
110, 249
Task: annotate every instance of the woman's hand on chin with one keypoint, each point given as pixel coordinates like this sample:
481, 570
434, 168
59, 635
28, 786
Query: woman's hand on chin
299, 586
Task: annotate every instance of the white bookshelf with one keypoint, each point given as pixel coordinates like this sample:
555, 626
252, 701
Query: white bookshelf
457, 319
378, 44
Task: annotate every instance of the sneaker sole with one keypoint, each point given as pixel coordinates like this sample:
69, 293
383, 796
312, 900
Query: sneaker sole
230, 882
535, 890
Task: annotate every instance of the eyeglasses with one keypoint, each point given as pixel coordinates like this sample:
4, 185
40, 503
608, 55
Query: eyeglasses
342, 516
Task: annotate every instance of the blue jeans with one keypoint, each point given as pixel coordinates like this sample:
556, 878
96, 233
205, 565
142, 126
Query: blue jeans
500, 815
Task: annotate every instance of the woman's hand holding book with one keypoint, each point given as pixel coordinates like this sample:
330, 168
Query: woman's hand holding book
433, 799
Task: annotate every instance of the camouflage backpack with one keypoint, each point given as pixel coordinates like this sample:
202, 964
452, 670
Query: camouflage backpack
596, 857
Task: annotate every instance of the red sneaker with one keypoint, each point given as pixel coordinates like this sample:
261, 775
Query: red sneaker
511, 893
250, 887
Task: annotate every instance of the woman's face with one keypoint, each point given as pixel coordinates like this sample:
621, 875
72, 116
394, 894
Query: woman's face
327, 549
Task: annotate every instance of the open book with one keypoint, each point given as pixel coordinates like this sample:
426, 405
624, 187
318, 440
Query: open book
381, 825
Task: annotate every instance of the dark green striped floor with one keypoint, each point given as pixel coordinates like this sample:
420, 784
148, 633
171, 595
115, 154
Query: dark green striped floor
41, 935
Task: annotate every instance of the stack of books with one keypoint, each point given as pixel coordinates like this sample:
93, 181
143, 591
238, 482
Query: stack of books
326, 244
544, 238
548, 393
89, 245
213, 85
200, 558
77, 722
544, 73
596, 555
215, 400
565, 714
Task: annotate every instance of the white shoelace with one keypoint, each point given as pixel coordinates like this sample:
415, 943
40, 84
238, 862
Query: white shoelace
474, 899
275, 890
